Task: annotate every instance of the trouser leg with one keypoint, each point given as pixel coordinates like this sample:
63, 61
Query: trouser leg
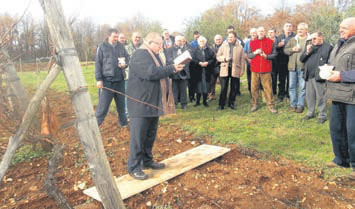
350, 129
249, 78
120, 103
182, 92
224, 88
138, 133
338, 133
311, 96
175, 86
149, 139
105, 100
293, 88
255, 84
322, 102
302, 89
233, 90
267, 84
283, 84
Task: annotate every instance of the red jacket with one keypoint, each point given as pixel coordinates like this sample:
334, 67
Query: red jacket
259, 64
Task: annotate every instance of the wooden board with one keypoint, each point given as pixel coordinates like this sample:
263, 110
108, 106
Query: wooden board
175, 166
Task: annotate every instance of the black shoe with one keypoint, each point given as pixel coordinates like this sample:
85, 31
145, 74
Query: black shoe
231, 106
321, 120
197, 104
139, 175
220, 108
307, 117
279, 100
184, 107
154, 165
205, 104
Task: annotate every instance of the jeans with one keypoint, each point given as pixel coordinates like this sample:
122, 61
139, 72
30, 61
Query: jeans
342, 132
297, 89
105, 99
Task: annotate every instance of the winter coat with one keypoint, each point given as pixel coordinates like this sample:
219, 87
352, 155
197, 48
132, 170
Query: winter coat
238, 60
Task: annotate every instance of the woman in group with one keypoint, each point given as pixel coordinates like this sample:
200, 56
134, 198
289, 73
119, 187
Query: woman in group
203, 59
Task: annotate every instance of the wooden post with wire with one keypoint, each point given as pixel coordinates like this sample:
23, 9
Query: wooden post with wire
87, 126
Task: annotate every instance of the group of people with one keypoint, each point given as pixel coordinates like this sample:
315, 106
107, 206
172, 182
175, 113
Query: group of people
286, 65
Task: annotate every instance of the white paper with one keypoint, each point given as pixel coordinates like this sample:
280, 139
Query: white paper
183, 58
325, 71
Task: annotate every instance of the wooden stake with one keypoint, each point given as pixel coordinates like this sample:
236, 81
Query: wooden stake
87, 127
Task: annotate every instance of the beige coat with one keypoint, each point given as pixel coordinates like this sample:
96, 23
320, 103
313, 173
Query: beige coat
238, 65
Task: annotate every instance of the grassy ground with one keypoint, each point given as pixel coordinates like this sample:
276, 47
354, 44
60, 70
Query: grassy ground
284, 134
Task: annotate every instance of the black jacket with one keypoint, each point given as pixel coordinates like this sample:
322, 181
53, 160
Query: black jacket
197, 56
171, 54
144, 84
281, 56
318, 56
106, 62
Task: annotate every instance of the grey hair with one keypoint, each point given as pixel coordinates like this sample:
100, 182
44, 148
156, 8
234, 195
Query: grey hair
202, 38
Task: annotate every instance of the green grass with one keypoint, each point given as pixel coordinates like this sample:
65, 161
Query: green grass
284, 134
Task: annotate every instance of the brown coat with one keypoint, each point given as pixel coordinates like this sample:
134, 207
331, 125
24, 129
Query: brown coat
238, 65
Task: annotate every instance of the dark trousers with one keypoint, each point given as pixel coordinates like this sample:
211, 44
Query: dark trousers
105, 99
179, 91
213, 83
143, 131
235, 82
192, 89
280, 77
249, 78
342, 132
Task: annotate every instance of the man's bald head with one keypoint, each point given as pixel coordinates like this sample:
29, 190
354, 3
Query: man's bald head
347, 28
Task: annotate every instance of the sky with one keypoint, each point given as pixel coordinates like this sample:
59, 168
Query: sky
171, 13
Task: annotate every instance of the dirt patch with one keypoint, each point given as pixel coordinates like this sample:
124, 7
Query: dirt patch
240, 179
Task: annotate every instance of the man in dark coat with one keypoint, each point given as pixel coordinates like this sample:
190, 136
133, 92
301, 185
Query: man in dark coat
315, 54
147, 84
179, 79
218, 40
109, 73
340, 89
281, 67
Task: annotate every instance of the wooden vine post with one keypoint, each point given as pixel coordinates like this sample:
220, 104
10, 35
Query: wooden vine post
87, 126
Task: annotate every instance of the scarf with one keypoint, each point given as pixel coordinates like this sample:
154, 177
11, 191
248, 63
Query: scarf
165, 85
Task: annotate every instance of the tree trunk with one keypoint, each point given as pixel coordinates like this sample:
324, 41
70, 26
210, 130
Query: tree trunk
87, 125
14, 82
30, 114
50, 182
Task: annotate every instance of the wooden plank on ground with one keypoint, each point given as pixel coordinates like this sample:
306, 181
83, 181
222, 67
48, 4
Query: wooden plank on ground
175, 166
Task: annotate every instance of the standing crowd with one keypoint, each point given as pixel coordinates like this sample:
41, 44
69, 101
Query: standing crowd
280, 67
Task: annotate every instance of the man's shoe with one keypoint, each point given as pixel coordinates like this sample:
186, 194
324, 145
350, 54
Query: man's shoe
254, 108
307, 117
197, 104
184, 107
139, 175
291, 108
299, 110
273, 110
232, 106
154, 165
205, 104
220, 108
321, 120
332, 164
279, 100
